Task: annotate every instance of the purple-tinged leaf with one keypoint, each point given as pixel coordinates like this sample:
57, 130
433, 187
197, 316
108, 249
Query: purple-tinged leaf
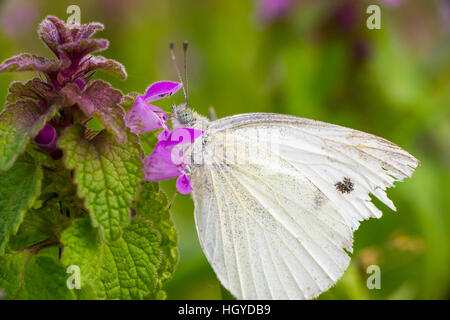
71, 41
84, 31
78, 49
74, 95
54, 32
87, 30
98, 98
31, 62
34, 89
93, 63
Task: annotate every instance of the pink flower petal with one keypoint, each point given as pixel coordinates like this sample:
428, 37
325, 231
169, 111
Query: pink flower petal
392, 3
161, 89
164, 135
159, 112
142, 118
183, 184
273, 9
165, 162
184, 135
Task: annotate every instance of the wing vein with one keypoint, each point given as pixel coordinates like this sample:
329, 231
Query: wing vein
221, 224
293, 234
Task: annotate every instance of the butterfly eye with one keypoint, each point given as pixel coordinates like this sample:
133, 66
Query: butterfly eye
185, 116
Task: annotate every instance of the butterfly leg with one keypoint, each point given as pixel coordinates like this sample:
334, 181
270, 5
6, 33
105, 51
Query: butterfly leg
173, 200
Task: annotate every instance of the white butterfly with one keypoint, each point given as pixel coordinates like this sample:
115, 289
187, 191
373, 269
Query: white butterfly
277, 198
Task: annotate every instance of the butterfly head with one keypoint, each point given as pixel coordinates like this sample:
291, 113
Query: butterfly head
183, 114
185, 117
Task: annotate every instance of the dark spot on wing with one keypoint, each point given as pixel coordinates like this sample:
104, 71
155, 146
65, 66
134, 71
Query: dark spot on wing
344, 186
319, 199
205, 139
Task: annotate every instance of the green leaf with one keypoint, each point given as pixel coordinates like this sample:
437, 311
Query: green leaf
19, 122
148, 141
44, 224
95, 124
101, 100
19, 187
128, 101
152, 205
123, 269
107, 174
28, 276
36, 155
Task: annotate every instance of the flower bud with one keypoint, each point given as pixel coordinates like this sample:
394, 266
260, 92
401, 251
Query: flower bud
46, 138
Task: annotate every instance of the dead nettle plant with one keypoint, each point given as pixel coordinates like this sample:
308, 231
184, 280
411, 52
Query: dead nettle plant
74, 199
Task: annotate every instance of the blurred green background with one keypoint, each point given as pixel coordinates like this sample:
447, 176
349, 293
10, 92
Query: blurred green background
317, 59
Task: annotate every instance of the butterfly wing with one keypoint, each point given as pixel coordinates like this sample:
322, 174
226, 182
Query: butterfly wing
277, 199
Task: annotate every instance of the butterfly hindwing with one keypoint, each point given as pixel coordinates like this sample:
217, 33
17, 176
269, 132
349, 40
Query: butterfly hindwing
277, 199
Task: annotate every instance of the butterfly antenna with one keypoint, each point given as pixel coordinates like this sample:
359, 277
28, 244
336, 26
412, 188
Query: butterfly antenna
174, 60
185, 47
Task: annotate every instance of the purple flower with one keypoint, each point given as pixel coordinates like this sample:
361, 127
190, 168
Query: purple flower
361, 49
270, 10
392, 3
181, 136
80, 83
444, 10
167, 161
46, 138
183, 184
161, 89
17, 17
143, 116
164, 134
347, 16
